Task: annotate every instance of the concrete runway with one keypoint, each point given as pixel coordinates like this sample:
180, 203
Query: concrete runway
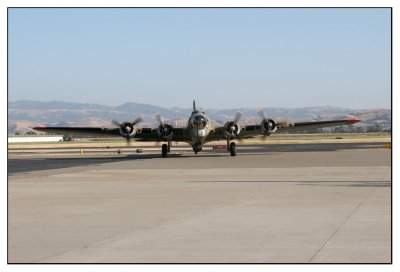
270, 204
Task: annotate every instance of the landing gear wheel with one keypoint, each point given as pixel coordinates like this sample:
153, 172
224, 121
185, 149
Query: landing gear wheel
232, 149
164, 150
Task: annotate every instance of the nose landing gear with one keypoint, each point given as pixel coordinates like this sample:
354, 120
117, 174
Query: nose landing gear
197, 148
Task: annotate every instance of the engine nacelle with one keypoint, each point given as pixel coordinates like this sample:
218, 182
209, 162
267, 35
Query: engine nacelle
127, 130
165, 132
231, 129
268, 126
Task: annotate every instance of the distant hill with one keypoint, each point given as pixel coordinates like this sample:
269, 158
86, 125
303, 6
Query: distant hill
24, 114
375, 116
32, 105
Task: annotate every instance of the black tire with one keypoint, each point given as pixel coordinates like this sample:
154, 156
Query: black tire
232, 149
164, 150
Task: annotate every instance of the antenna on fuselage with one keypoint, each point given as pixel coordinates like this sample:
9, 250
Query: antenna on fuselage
194, 105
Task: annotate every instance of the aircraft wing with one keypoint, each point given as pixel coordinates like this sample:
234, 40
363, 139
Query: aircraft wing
255, 130
142, 134
315, 124
80, 131
151, 134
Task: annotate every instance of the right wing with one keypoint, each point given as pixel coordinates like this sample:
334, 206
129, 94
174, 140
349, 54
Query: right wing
151, 134
80, 131
142, 134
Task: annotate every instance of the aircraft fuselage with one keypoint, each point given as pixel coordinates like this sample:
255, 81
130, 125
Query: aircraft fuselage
198, 127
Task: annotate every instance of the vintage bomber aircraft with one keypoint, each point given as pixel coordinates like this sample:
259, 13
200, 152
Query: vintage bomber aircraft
198, 131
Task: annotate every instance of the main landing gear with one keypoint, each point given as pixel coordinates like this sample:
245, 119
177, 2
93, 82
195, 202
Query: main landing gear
231, 147
165, 149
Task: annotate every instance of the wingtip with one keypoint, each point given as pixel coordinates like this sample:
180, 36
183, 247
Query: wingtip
353, 121
39, 127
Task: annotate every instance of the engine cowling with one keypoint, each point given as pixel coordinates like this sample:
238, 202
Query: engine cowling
165, 132
268, 126
231, 129
127, 130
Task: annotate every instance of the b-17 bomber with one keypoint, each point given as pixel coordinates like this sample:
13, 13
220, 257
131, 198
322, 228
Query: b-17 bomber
198, 131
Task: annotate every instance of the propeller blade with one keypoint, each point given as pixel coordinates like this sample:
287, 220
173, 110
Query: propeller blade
115, 123
137, 120
237, 116
261, 113
159, 118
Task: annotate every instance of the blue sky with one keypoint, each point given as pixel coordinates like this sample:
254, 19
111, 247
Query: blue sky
223, 58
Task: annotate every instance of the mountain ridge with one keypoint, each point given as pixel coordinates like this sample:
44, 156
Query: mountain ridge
52, 113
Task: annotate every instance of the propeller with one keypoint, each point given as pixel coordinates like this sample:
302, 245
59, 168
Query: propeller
263, 117
232, 128
165, 130
115, 123
160, 119
261, 113
127, 129
237, 116
267, 124
133, 123
285, 122
137, 120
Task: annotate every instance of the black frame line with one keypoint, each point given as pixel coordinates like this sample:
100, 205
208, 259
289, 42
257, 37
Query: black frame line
220, 7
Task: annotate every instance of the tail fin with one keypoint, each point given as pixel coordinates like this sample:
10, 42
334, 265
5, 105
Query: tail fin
194, 105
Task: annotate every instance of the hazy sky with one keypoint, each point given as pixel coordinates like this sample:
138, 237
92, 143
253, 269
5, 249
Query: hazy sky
223, 58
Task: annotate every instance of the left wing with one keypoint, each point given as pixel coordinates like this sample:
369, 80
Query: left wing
315, 124
250, 131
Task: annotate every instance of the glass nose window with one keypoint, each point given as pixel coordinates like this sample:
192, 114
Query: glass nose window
199, 122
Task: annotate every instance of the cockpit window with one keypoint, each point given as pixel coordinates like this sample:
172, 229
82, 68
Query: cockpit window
199, 122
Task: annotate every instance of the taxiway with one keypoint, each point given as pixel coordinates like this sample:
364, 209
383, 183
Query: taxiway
270, 204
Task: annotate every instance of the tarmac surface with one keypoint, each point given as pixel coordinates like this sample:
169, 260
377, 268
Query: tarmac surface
323, 203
